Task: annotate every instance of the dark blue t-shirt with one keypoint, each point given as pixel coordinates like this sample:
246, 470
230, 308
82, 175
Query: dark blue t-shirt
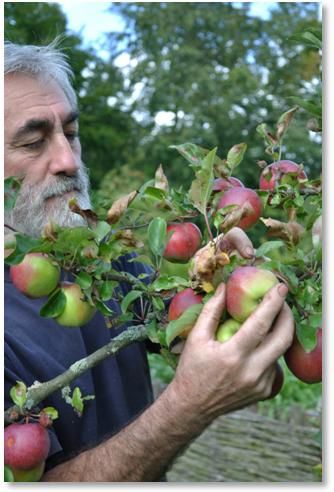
38, 349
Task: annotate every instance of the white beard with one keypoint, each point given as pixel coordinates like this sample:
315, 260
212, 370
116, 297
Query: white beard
32, 212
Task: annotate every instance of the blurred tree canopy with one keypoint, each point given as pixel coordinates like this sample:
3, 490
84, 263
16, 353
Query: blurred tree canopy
213, 68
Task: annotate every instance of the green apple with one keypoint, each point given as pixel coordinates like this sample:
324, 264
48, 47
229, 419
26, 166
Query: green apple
77, 311
245, 289
33, 475
227, 329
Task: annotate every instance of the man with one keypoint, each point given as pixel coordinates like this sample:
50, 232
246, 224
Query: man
122, 435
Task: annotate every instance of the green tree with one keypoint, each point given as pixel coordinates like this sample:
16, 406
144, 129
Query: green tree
220, 72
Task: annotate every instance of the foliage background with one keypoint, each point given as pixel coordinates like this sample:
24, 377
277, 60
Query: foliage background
213, 68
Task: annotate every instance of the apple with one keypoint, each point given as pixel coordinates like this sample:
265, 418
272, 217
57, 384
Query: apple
223, 184
77, 311
32, 475
306, 366
26, 446
245, 289
227, 329
180, 303
36, 276
185, 240
278, 382
280, 173
317, 232
243, 197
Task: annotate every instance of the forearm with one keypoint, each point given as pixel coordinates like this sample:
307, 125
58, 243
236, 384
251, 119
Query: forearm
141, 452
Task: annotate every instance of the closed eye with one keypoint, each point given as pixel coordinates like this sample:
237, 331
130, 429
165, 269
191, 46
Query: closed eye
37, 144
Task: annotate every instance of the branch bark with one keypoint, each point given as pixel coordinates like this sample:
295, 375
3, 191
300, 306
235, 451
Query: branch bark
39, 391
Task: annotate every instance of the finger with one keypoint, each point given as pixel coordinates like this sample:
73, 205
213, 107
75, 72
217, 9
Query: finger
239, 240
209, 318
254, 330
278, 340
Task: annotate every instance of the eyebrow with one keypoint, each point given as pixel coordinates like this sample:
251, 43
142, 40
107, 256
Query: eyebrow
42, 124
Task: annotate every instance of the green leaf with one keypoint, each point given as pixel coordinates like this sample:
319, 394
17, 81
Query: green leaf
101, 230
18, 393
70, 239
311, 38
165, 282
157, 236
77, 402
235, 155
24, 244
103, 308
188, 318
129, 299
54, 306
84, 280
314, 108
51, 412
152, 331
201, 187
12, 187
158, 303
268, 137
106, 290
156, 193
267, 247
191, 152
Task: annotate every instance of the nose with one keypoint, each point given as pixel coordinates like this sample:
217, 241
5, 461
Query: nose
64, 159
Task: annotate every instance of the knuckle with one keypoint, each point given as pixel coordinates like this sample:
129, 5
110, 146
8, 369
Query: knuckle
209, 312
251, 380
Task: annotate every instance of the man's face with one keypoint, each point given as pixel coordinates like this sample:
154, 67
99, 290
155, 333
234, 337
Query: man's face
42, 146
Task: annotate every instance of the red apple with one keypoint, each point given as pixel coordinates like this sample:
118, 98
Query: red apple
227, 329
36, 276
180, 303
280, 172
243, 197
306, 366
185, 240
245, 289
223, 184
278, 382
77, 311
26, 445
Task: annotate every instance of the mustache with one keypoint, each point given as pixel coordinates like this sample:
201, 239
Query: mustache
61, 185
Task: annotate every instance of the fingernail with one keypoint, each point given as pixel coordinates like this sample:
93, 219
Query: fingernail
283, 290
249, 252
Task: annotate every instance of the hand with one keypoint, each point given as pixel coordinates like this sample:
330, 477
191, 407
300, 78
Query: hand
236, 239
213, 378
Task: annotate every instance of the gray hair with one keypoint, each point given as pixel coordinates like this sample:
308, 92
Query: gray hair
43, 62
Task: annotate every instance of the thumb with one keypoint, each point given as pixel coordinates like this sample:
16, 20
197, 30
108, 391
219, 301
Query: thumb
209, 318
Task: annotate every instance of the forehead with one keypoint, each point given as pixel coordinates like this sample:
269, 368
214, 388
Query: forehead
28, 97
